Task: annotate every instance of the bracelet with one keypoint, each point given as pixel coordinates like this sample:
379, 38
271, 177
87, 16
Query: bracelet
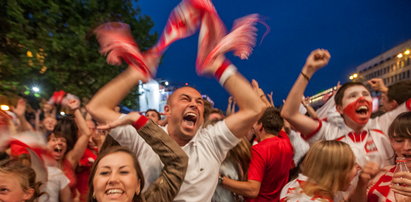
305, 76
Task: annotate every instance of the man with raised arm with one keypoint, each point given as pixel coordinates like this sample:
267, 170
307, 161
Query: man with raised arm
353, 101
206, 147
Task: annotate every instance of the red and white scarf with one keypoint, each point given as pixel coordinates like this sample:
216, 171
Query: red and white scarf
117, 42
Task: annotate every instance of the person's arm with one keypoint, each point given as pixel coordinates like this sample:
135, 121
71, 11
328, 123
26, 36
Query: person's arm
175, 160
74, 155
65, 194
310, 110
230, 105
368, 172
20, 111
249, 189
270, 96
256, 171
102, 105
385, 120
260, 93
306, 125
377, 84
249, 103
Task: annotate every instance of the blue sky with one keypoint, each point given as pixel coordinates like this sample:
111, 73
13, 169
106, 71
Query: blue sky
354, 31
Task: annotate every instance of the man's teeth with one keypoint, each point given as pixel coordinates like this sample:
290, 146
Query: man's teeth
362, 108
114, 191
191, 114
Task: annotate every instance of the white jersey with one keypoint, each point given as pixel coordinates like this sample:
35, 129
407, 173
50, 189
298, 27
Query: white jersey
371, 143
206, 151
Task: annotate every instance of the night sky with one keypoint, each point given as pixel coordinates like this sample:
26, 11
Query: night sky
354, 31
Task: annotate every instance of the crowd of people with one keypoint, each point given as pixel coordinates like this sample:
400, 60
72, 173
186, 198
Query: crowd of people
254, 151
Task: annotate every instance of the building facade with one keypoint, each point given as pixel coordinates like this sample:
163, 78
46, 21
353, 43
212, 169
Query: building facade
392, 66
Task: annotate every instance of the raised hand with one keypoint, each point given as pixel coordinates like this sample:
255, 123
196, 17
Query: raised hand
315, 61
369, 171
377, 84
20, 108
260, 92
128, 119
270, 96
73, 104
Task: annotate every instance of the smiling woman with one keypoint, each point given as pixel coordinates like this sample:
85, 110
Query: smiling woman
116, 174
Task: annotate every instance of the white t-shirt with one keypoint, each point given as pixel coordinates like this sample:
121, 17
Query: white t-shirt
206, 151
55, 183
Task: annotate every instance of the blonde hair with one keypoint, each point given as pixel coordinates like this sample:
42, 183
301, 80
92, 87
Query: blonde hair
327, 165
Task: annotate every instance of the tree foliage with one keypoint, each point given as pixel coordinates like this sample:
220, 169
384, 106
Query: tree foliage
50, 43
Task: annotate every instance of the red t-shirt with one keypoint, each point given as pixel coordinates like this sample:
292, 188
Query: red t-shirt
271, 161
83, 172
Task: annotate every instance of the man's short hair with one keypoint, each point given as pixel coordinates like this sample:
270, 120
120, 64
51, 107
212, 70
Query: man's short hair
172, 94
340, 92
155, 111
400, 92
272, 121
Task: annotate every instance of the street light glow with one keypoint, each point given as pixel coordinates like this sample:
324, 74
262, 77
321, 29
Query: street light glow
351, 77
36, 89
62, 113
400, 55
407, 52
166, 83
4, 107
355, 75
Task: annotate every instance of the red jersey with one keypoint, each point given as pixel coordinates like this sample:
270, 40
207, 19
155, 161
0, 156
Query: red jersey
271, 161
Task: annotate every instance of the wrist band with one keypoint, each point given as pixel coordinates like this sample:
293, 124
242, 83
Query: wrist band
305, 76
225, 71
140, 122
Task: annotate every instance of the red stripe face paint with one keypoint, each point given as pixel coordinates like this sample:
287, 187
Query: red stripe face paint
359, 111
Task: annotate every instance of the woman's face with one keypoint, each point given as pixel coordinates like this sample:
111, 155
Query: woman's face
402, 147
116, 178
49, 123
57, 146
11, 190
350, 176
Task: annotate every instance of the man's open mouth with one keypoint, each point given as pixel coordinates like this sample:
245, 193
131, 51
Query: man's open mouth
190, 118
363, 110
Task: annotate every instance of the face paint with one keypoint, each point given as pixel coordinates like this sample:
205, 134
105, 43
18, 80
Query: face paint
360, 118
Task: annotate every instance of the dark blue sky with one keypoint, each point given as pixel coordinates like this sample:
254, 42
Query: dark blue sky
354, 31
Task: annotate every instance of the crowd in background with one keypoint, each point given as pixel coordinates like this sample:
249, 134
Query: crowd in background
254, 151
